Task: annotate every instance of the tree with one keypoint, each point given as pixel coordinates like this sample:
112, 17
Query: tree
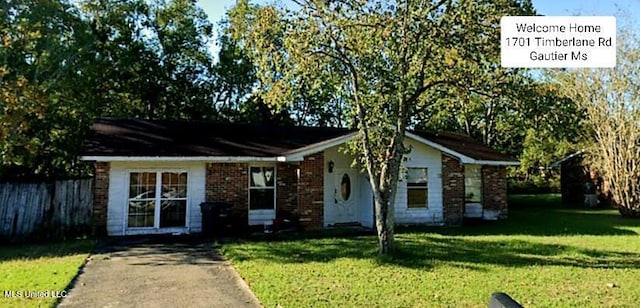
309, 94
483, 92
234, 78
525, 117
63, 63
508, 109
44, 44
610, 97
381, 52
388, 57
549, 125
153, 58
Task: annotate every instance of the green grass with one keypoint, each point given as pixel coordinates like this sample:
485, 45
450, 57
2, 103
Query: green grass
40, 267
543, 256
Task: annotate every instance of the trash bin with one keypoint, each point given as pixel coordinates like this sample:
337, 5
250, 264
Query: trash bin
215, 216
590, 198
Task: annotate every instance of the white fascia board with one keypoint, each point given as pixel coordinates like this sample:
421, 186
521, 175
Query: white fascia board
495, 163
185, 158
558, 162
463, 158
299, 154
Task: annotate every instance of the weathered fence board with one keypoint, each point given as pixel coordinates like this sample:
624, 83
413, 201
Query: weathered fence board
45, 209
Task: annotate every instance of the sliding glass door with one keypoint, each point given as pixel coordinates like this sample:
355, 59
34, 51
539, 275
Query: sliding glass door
157, 199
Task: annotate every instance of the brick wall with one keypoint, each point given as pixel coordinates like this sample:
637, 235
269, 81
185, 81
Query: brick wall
100, 197
304, 196
311, 191
452, 190
229, 182
287, 188
494, 189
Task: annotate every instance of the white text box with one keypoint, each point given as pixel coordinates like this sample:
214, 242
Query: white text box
558, 41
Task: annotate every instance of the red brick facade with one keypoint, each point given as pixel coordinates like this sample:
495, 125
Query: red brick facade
452, 190
100, 197
311, 192
302, 196
300, 190
287, 188
494, 189
229, 183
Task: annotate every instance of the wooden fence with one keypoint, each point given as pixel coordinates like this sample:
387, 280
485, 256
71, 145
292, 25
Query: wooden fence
45, 210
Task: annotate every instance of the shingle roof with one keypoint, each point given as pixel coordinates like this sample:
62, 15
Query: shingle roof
120, 137
465, 145
130, 137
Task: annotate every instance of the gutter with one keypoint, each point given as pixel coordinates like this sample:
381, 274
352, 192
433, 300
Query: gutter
185, 158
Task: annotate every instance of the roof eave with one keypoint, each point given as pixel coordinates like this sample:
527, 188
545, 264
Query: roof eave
296, 155
299, 154
559, 162
492, 162
103, 158
463, 158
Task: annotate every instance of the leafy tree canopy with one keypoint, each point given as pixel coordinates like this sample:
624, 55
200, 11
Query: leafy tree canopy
386, 60
63, 64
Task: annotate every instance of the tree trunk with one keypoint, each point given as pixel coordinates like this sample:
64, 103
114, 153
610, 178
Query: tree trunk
628, 212
384, 194
384, 224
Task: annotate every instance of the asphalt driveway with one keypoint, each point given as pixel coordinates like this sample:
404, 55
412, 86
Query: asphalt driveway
158, 272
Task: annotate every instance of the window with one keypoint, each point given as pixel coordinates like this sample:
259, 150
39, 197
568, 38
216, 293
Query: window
157, 199
262, 188
417, 188
472, 184
173, 199
142, 199
345, 187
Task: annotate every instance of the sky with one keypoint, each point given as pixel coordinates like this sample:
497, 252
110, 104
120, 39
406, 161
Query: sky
216, 9
587, 7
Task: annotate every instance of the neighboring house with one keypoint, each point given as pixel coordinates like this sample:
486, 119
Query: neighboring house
151, 176
573, 176
577, 179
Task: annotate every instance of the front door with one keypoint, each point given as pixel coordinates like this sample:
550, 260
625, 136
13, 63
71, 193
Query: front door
345, 195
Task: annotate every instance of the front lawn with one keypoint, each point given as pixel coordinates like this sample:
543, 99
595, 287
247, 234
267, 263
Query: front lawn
46, 268
543, 256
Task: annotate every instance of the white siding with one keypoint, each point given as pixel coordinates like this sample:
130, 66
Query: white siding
117, 200
364, 207
421, 156
473, 210
118, 195
260, 217
366, 201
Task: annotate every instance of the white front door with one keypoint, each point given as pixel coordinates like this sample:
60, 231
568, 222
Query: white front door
345, 195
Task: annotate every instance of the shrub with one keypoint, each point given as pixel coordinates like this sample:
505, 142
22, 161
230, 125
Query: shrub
534, 185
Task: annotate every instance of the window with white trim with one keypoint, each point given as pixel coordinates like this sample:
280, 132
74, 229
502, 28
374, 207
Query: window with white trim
157, 199
262, 188
417, 188
472, 184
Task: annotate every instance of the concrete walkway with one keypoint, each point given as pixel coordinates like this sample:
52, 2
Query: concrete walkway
158, 272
